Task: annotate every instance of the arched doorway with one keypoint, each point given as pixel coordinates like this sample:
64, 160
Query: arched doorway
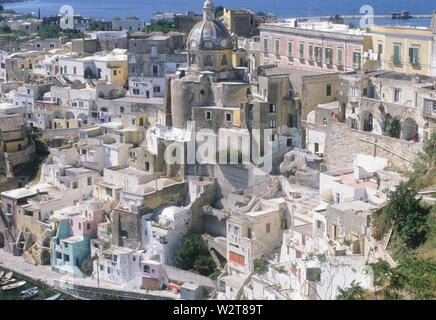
367, 122
386, 121
409, 129
69, 115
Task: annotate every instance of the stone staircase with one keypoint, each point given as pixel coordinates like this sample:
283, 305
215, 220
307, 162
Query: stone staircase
388, 235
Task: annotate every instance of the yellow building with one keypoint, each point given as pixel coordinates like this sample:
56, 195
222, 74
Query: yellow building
400, 49
118, 72
239, 58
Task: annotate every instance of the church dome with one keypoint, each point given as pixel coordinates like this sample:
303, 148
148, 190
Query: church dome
209, 34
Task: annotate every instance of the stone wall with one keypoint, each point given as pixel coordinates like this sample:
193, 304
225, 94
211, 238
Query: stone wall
343, 143
98, 293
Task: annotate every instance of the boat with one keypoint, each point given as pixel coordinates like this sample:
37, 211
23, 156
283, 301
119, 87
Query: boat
55, 297
5, 282
13, 285
1, 274
8, 275
29, 293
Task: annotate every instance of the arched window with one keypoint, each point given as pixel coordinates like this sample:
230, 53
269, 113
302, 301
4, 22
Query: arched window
224, 60
208, 61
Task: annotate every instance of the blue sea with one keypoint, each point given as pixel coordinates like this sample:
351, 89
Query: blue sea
145, 9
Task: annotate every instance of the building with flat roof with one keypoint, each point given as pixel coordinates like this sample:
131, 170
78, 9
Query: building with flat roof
312, 45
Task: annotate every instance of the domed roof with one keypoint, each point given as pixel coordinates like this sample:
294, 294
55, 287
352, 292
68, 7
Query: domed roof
209, 34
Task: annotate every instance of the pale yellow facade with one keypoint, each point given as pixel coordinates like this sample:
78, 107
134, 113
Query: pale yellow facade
400, 49
118, 71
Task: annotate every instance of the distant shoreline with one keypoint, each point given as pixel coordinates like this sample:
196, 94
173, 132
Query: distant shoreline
12, 1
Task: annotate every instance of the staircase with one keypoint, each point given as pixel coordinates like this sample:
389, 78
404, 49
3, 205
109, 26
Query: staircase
388, 235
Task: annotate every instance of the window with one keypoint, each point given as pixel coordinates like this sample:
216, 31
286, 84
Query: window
208, 61
122, 108
324, 121
236, 258
133, 122
272, 108
75, 184
80, 226
429, 105
109, 192
353, 124
155, 70
58, 255
397, 55
318, 54
228, 117
353, 107
9, 208
328, 55
297, 254
289, 48
265, 45
413, 55
224, 60
115, 258
328, 90
156, 89
339, 57
354, 92
89, 181
268, 228
153, 51
397, 95
146, 269
379, 50
356, 60
277, 47
88, 226
310, 52
66, 258
371, 92
273, 123
301, 50
74, 70
208, 115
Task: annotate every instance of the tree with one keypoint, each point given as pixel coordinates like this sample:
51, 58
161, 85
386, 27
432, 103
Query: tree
48, 31
204, 265
193, 255
1, 8
260, 266
424, 168
161, 26
337, 19
5, 29
354, 292
409, 216
96, 26
116, 19
394, 128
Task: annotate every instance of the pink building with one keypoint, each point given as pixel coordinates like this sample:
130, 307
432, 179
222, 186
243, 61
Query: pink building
85, 220
312, 45
152, 274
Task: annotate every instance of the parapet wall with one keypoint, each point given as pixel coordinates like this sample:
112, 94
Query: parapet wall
343, 143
